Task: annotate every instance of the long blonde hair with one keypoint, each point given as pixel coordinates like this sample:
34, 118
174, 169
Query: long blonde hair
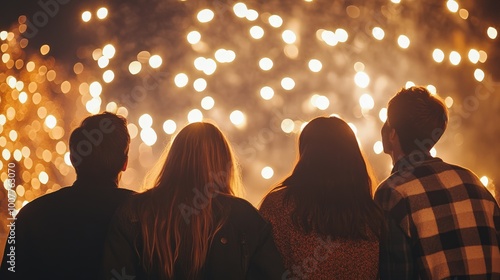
177, 215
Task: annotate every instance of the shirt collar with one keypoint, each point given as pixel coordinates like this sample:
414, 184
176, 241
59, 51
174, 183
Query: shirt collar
95, 182
413, 160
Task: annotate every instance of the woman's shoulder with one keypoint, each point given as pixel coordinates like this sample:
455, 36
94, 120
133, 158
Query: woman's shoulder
242, 213
273, 200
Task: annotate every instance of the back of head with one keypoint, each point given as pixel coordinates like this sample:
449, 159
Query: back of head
199, 157
180, 216
99, 146
330, 184
418, 117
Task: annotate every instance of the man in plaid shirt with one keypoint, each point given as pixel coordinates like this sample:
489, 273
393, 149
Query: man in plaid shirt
442, 223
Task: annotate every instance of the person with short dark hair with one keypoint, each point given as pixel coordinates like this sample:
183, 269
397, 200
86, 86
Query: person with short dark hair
61, 234
325, 222
442, 222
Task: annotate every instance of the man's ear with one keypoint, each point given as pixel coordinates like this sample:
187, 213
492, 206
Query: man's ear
393, 136
125, 164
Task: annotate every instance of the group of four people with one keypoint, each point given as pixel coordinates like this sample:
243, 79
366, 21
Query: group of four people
428, 220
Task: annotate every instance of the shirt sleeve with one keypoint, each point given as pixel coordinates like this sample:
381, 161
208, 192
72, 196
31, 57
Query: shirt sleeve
119, 259
396, 256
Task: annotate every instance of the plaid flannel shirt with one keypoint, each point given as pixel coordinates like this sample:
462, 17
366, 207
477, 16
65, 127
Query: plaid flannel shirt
442, 223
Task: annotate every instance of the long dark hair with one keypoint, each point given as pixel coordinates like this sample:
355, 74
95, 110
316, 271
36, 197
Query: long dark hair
177, 215
330, 186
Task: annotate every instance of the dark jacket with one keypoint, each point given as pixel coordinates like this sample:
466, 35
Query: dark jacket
242, 249
61, 235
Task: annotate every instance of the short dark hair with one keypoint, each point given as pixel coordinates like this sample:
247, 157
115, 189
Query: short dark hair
99, 146
418, 117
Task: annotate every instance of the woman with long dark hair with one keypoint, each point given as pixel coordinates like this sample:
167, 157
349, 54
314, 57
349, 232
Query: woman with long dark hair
190, 225
325, 222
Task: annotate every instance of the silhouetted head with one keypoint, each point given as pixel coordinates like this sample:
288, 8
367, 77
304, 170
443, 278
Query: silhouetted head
418, 118
99, 146
198, 157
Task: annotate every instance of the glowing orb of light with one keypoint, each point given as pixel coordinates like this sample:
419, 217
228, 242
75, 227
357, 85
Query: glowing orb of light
267, 172
362, 79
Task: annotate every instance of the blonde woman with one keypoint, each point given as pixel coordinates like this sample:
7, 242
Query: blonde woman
190, 225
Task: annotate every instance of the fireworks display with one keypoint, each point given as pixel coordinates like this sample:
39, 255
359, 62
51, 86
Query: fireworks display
259, 69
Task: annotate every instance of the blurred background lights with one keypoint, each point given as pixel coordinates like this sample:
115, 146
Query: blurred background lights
50, 121
287, 125
111, 107
409, 84
256, 32
169, 126
485, 181
473, 56
275, 21
289, 37
315, 65
287, 83
181, 80
145, 121
378, 148
438, 55
43, 177
199, 63
252, 15
193, 37
362, 79
93, 106
102, 13
492, 32
200, 84
237, 118
195, 115
378, 33
483, 56
329, 38
86, 16
455, 58
148, 136
463, 13
95, 89
366, 102
134, 67
267, 172
155, 61
448, 101
266, 64
403, 41
205, 15
266, 93
452, 6
240, 10
108, 76
209, 66
322, 102
479, 75
432, 89
225, 56
207, 103
102, 62
108, 51
341, 35
382, 115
